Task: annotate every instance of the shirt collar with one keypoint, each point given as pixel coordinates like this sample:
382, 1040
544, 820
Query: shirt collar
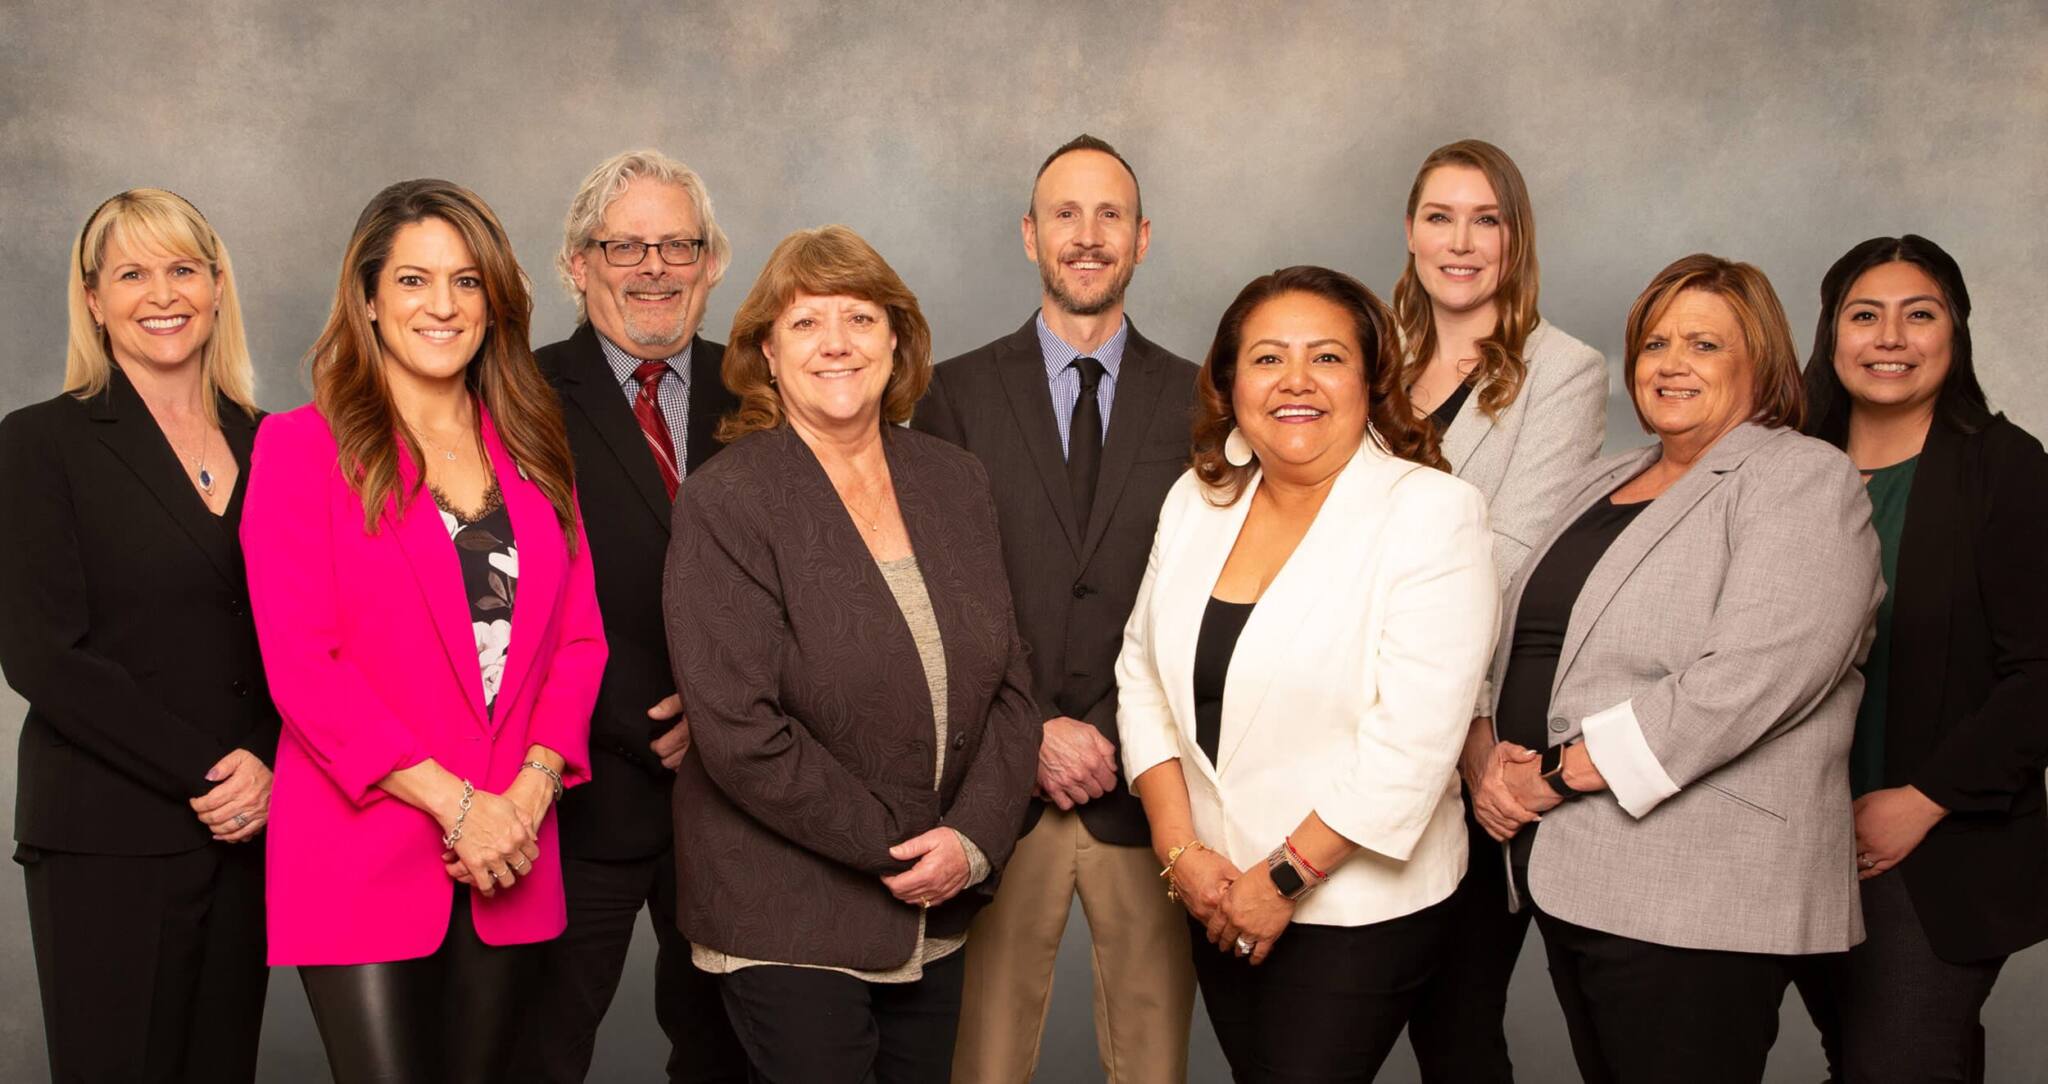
623, 363
1059, 354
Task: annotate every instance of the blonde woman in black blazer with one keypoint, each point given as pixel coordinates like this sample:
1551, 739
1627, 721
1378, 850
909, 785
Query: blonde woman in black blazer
1951, 740
124, 622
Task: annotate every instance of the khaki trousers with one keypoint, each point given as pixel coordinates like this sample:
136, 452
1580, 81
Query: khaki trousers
1144, 973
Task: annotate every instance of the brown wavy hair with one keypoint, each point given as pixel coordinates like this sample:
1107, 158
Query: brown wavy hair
829, 261
1501, 366
349, 383
1780, 393
1391, 421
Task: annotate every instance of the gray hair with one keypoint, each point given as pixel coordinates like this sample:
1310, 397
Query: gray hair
607, 183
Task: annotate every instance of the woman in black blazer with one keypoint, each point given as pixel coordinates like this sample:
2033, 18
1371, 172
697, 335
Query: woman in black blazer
125, 624
1951, 740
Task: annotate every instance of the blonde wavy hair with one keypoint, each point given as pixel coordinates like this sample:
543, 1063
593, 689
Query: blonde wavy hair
1501, 365
163, 220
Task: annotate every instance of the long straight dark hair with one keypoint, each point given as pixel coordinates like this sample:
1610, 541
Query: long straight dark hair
1960, 404
348, 373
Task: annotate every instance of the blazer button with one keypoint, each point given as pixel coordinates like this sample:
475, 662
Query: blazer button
239, 687
1081, 590
1559, 726
959, 741
238, 606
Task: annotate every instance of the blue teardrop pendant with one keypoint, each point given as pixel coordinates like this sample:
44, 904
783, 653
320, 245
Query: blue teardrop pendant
206, 481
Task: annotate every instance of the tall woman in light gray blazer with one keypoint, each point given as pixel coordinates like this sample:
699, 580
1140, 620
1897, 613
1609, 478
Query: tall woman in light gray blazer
1681, 648
1521, 408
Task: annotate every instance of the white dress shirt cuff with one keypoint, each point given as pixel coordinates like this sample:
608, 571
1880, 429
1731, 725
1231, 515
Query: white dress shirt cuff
1614, 739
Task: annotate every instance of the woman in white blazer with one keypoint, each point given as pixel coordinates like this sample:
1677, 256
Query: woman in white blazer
1520, 408
1296, 680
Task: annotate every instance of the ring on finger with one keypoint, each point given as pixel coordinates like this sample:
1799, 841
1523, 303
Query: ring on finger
1244, 947
241, 820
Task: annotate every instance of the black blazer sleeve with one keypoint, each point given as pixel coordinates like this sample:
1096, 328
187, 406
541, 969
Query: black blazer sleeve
1988, 757
91, 701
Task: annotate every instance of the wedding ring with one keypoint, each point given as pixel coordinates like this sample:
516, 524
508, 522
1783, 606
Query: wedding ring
241, 819
1244, 947
1866, 861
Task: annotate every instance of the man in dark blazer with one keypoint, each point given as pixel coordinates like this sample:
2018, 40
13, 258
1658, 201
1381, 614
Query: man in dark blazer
641, 398
1082, 424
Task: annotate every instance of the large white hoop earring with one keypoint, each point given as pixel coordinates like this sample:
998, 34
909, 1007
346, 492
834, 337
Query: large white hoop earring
1237, 451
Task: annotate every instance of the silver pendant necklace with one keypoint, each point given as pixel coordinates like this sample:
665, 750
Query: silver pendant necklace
205, 476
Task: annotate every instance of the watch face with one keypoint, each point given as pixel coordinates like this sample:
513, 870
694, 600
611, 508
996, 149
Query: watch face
1286, 878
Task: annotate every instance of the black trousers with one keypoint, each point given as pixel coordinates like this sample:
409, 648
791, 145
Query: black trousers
1890, 1009
1642, 1013
448, 1018
803, 1025
151, 967
1328, 1003
583, 968
1458, 1029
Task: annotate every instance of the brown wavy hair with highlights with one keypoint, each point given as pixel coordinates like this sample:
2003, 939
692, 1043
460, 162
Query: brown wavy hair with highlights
1390, 417
1502, 368
1780, 391
829, 261
349, 382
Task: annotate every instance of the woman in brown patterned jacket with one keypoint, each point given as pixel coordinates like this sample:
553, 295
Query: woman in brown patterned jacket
863, 735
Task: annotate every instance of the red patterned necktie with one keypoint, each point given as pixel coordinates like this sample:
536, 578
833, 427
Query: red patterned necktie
647, 411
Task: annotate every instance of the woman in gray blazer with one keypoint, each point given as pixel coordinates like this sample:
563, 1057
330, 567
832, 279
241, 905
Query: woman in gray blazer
1681, 649
1520, 407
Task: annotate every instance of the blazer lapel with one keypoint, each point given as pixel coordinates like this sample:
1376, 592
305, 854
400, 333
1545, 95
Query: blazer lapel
1292, 600
537, 534
593, 390
1938, 511
1639, 538
1022, 371
1179, 598
1139, 389
431, 553
709, 403
131, 433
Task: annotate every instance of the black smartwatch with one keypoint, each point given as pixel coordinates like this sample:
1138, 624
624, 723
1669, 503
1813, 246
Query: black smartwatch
1286, 879
1550, 769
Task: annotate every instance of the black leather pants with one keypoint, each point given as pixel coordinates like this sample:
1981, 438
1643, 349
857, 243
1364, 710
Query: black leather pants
449, 1017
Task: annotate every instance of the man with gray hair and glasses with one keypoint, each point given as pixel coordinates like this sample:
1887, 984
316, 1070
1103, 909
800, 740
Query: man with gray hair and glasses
641, 397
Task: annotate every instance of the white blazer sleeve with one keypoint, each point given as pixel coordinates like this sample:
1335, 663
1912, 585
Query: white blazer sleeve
1436, 640
1144, 719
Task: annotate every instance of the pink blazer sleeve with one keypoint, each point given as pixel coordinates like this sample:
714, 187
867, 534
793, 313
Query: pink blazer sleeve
568, 693
288, 532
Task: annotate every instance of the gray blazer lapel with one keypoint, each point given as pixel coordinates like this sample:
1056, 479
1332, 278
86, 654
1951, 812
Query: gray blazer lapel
1467, 432
1640, 537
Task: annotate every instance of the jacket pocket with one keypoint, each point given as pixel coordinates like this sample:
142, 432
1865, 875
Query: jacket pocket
1744, 802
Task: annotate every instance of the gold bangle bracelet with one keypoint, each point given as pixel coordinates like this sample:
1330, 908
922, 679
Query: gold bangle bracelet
1172, 857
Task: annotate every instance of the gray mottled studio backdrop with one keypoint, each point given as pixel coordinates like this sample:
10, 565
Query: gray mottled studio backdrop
1265, 133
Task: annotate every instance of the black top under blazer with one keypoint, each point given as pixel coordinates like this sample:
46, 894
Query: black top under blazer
811, 722
623, 812
1968, 717
124, 622
1073, 591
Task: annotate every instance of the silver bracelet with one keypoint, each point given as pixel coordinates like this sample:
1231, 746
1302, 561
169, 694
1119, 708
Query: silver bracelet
461, 814
554, 776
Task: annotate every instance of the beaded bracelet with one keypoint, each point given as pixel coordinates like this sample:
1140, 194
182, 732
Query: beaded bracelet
461, 814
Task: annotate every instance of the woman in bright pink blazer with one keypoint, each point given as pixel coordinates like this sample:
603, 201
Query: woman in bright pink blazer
435, 664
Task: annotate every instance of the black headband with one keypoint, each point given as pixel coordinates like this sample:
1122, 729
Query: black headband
94, 216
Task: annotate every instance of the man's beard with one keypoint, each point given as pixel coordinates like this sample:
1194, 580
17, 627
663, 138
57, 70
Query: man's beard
668, 332
1112, 294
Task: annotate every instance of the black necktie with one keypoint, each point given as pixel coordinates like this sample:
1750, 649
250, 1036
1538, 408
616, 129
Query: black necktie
1084, 441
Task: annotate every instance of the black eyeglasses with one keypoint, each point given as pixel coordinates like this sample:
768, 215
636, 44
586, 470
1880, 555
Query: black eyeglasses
676, 253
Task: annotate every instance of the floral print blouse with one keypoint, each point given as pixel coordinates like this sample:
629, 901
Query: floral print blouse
490, 576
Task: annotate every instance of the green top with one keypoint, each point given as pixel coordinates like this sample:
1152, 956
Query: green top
1889, 488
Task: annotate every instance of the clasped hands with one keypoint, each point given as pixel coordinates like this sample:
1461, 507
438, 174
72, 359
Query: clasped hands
940, 870
1232, 905
499, 842
238, 806
1076, 764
